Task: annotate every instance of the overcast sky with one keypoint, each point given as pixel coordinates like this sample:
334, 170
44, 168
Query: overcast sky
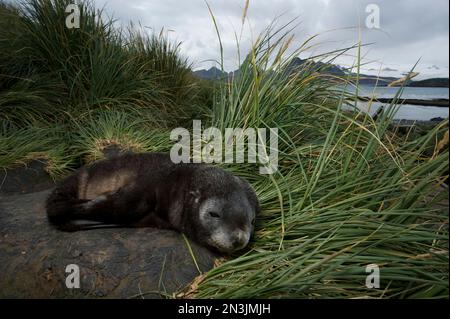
409, 29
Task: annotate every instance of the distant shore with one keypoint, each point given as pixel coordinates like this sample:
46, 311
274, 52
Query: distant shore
433, 102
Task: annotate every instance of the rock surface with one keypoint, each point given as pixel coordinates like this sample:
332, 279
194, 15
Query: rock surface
28, 178
113, 263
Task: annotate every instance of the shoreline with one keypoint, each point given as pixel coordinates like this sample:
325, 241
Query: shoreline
408, 123
433, 102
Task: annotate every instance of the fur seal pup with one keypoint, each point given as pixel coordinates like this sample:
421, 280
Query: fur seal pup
206, 203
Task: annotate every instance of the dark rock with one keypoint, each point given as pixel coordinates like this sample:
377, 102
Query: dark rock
113, 263
28, 178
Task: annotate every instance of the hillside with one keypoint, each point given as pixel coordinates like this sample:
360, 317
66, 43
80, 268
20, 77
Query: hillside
434, 82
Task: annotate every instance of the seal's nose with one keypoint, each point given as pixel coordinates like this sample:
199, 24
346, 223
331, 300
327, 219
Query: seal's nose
236, 243
238, 240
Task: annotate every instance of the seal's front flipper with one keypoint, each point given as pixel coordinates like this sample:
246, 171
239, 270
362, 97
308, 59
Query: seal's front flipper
125, 206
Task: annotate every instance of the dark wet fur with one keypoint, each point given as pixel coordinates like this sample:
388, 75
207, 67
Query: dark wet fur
158, 194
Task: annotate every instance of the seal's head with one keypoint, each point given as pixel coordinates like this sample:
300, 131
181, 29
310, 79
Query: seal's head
225, 208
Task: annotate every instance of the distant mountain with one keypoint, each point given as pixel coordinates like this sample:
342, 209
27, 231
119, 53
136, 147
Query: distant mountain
211, 74
374, 80
294, 66
297, 64
435, 82
328, 68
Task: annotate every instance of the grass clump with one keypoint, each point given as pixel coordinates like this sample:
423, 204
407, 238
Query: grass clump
348, 193
62, 77
113, 128
19, 145
76, 70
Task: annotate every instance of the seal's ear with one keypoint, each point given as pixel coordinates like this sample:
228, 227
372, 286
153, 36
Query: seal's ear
251, 195
253, 200
195, 194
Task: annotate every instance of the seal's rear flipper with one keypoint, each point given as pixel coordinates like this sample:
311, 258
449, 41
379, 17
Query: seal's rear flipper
78, 225
125, 206
62, 201
60, 209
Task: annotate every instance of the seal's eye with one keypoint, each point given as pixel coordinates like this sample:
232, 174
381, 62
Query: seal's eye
214, 214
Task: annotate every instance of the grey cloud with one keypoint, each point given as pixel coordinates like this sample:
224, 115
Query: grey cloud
410, 29
389, 70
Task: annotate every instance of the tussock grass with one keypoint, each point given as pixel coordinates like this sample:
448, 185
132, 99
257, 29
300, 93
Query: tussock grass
19, 145
62, 77
128, 132
76, 70
348, 192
